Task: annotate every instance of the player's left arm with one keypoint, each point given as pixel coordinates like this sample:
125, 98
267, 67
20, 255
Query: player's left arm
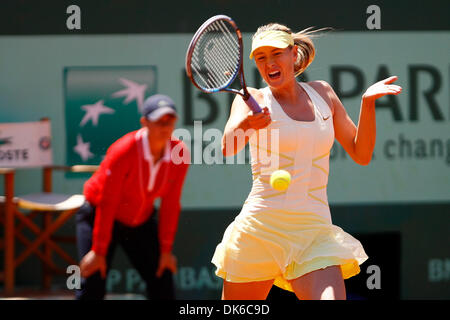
359, 141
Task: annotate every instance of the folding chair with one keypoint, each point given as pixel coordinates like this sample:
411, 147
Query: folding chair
55, 210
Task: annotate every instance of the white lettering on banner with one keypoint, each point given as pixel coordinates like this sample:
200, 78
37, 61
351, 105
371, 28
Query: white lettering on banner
186, 278
134, 281
439, 270
113, 279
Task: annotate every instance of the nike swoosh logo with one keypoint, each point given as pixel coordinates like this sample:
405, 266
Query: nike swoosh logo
326, 118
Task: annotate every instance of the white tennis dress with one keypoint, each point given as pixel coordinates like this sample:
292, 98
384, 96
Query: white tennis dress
284, 235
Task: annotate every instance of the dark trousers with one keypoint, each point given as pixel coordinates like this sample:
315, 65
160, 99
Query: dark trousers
140, 244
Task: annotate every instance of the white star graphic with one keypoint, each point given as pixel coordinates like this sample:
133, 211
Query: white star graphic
82, 148
93, 112
134, 91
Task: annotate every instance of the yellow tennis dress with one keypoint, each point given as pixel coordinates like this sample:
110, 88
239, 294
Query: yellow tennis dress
284, 235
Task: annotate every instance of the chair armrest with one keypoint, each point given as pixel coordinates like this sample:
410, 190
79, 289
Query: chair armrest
47, 173
76, 168
6, 170
84, 168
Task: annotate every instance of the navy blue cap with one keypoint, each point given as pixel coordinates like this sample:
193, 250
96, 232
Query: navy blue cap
157, 106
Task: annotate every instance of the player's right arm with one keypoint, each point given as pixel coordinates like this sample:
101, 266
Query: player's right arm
242, 123
110, 176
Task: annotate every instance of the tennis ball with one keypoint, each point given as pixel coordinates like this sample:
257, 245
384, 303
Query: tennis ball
280, 180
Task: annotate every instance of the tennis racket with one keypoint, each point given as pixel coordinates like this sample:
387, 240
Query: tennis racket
214, 58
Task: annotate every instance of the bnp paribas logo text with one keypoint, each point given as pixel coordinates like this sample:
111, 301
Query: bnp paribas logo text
103, 104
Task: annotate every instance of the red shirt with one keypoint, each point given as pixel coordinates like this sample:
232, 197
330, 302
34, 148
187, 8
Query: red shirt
120, 190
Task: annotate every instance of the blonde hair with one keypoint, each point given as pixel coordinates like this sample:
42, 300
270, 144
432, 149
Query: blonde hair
303, 40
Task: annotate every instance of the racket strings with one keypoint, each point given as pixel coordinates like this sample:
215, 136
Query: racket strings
216, 56
231, 43
223, 40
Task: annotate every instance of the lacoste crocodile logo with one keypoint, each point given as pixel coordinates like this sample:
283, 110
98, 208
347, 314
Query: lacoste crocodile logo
5, 141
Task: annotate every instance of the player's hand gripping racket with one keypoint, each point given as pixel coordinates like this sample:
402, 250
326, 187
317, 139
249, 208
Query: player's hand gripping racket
214, 58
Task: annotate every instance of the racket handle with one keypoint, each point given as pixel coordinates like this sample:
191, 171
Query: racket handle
253, 105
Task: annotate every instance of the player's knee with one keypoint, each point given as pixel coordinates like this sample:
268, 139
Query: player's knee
327, 293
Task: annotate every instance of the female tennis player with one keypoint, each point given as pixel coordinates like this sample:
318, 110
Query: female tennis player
287, 238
